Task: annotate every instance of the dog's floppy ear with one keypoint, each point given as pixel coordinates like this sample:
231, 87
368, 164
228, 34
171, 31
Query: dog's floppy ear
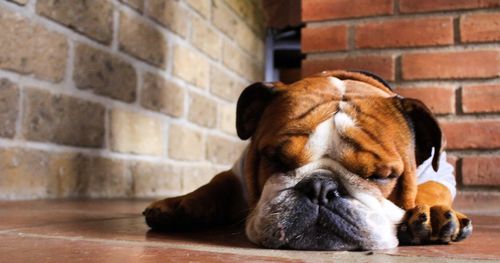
426, 130
251, 104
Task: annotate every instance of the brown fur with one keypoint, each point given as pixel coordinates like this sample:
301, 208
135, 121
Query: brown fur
282, 132
217, 203
280, 122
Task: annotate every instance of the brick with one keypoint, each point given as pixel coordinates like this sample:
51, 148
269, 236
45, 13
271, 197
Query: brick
225, 86
251, 70
223, 19
232, 57
405, 33
227, 118
202, 111
135, 4
156, 179
93, 18
107, 178
141, 40
223, 151
314, 10
205, 38
481, 98
102, 177
103, 73
62, 119
165, 179
136, 133
250, 12
191, 66
161, 95
480, 27
29, 173
243, 64
9, 108
472, 134
481, 170
170, 14
441, 100
326, 38
25, 173
380, 65
79, 175
185, 143
64, 175
412, 6
243, 8
250, 42
448, 65
202, 7
194, 176
21, 42
451, 159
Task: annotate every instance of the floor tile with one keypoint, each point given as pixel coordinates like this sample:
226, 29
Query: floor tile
34, 249
482, 244
115, 231
39, 213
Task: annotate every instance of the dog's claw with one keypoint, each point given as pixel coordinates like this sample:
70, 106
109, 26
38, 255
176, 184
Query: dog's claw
465, 230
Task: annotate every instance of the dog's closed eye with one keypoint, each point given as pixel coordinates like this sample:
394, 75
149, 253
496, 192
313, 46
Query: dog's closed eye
376, 178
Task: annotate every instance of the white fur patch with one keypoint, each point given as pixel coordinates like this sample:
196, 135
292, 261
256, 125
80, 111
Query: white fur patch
339, 84
325, 140
322, 140
444, 175
384, 215
343, 121
393, 212
272, 192
343, 105
381, 215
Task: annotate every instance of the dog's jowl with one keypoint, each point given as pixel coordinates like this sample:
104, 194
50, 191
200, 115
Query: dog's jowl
336, 161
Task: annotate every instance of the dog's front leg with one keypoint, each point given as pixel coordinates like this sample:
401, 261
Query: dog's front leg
219, 202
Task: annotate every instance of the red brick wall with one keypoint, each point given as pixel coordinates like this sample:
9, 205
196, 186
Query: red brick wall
443, 52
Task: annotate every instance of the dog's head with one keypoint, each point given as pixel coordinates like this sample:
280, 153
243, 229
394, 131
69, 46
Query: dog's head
332, 160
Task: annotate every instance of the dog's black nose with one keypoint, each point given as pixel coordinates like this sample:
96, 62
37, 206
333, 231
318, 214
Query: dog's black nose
319, 190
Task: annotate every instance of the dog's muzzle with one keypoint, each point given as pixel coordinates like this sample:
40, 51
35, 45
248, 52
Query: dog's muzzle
319, 188
322, 206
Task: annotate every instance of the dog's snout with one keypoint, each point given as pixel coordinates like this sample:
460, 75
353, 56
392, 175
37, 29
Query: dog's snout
319, 190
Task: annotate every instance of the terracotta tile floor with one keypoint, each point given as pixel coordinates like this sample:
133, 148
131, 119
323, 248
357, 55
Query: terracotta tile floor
114, 231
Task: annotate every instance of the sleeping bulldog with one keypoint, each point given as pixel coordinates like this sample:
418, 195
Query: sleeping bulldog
336, 161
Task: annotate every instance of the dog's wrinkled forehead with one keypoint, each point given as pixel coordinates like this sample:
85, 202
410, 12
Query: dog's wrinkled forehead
322, 116
303, 104
288, 103
351, 117
311, 117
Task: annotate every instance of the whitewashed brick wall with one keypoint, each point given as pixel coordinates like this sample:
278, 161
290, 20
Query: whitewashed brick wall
130, 98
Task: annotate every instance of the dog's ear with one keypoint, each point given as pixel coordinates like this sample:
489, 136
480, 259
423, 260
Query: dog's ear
251, 104
426, 130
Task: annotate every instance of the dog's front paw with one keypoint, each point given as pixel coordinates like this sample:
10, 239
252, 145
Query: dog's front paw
436, 224
165, 215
